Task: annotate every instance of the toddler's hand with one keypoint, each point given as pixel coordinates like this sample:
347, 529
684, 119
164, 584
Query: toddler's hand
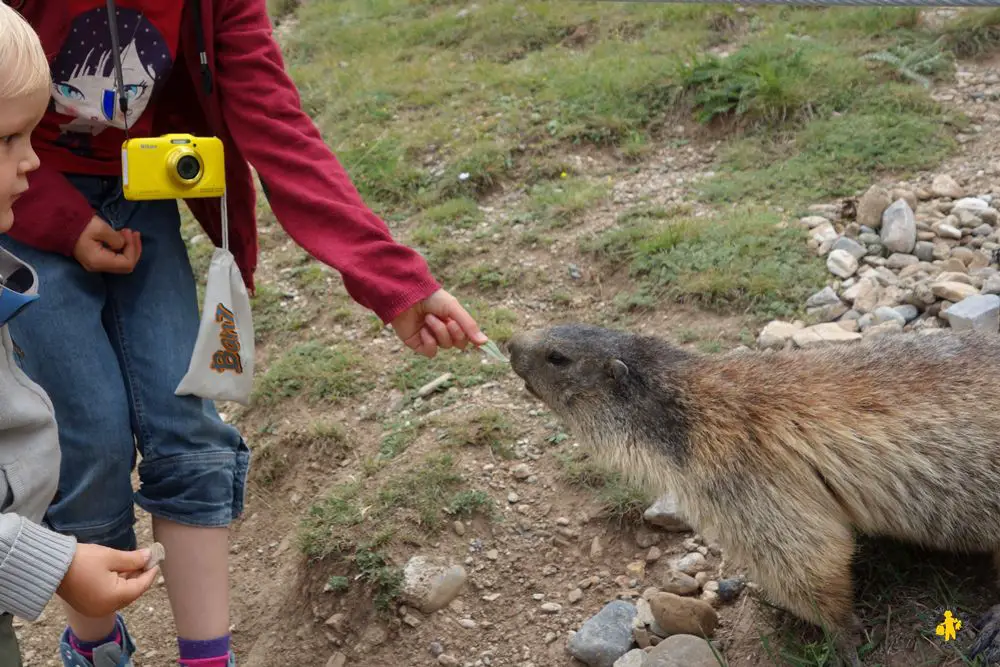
101, 249
437, 321
100, 581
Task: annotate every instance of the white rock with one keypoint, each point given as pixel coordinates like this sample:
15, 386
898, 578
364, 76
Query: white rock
899, 227
980, 312
824, 233
776, 333
841, 263
823, 334
944, 185
953, 291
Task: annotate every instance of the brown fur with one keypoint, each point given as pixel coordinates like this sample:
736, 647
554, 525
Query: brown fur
780, 455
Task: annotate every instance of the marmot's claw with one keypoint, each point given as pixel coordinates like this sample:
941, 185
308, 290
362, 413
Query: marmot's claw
987, 644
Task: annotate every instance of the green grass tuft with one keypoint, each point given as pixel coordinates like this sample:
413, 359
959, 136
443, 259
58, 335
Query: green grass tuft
316, 372
743, 263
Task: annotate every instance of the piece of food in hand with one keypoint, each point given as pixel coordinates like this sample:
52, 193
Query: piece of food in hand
156, 554
491, 349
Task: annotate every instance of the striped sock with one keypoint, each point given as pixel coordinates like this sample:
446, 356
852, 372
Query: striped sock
86, 649
204, 653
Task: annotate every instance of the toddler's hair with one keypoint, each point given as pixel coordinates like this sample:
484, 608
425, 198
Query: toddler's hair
24, 69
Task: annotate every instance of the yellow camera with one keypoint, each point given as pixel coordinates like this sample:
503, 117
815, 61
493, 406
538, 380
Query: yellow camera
173, 166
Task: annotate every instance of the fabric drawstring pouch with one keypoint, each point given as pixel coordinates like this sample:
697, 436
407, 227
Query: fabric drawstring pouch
221, 366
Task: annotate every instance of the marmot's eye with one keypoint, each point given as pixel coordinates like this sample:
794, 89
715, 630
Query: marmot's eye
556, 359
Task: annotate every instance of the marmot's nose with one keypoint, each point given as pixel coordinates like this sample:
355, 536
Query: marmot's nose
515, 346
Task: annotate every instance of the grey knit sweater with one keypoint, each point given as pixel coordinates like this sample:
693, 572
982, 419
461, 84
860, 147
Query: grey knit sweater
33, 559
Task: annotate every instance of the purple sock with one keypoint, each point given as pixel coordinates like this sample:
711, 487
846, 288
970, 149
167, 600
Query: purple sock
86, 649
200, 649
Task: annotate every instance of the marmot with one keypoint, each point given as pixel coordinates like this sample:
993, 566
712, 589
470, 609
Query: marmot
777, 456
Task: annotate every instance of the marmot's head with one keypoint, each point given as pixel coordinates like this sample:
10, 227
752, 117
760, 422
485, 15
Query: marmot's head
583, 372
619, 389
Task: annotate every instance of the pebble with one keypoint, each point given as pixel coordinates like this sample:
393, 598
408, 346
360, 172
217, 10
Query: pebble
841, 263
681, 650
430, 584
665, 514
679, 583
899, 227
980, 312
604, 637
682, 615
634, 658
730, 589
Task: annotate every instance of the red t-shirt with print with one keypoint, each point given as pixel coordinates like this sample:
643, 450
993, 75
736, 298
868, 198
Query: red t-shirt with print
83, 130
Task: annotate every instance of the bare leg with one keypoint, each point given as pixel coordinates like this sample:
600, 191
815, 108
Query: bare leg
196, 570
89, 629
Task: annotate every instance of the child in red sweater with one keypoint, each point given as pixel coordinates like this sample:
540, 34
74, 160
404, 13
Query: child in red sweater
115, 337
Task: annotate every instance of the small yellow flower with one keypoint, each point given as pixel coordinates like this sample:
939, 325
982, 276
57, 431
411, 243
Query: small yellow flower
562, 175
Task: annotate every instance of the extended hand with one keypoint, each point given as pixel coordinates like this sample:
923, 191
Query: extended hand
101, 249
100, 581
437, 321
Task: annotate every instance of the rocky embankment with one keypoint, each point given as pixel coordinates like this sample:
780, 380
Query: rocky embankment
901, 259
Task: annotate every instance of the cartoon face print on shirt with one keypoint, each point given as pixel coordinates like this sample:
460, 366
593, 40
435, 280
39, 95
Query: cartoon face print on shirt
83, 74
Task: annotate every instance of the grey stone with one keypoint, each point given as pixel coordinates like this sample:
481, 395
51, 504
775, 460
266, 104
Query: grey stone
946, 231
849, 245
980, 312
665, 514
884, 314
908, 312
924, 250
841, 263
634, 658
606, 636
899, 260
991, 285
971, 204
825, 297
944, 185
899, 227
682, 651
730, 589
431, 584
824, 233
871, 205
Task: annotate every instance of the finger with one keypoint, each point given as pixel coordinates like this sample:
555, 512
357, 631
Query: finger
457, 335
428, 345
440, 331
455, 311
107, 261
132, 250
127, 561
130, 590
105, 234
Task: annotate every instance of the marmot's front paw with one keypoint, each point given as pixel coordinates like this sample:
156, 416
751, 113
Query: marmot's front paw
987, 644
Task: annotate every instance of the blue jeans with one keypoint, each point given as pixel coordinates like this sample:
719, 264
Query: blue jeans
110, 350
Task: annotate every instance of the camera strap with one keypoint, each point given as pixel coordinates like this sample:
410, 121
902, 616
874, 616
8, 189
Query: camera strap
206, 81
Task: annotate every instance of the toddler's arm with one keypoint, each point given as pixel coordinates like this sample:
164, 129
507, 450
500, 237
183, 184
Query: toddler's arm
33, 562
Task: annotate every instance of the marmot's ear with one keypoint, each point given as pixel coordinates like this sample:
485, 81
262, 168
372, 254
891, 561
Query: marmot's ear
616, 369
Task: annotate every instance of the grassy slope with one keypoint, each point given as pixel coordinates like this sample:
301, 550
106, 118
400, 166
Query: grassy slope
433, 106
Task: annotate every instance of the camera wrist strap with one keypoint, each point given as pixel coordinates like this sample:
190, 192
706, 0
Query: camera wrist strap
109, 107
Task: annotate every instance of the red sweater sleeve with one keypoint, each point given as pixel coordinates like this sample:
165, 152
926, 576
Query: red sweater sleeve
309, 191
52, 214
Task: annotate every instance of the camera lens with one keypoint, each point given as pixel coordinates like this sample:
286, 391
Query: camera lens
188, 167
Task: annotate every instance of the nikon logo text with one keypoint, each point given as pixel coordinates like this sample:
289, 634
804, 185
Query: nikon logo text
228, 358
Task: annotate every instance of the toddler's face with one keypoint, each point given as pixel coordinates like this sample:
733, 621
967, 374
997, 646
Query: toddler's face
18, 118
